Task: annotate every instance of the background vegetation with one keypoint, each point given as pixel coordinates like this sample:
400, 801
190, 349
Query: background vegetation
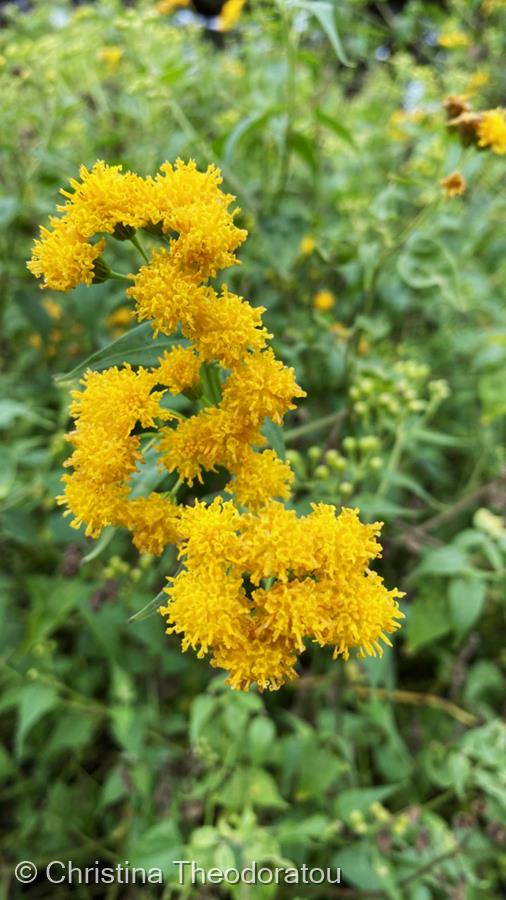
327, 121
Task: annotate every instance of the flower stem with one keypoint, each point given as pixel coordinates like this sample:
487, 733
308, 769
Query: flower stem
303, 430
136, 242
119, 276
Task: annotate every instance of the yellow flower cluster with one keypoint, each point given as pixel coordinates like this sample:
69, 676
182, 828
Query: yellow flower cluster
309, 579
485, 128
257, 580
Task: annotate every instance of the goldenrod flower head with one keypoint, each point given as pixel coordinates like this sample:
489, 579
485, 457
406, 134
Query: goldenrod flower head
63, 257
261, 387
191, 203
260, 478
224, 327
256, 659
178, 370
492, 130
154, 522
454, 184
324, 300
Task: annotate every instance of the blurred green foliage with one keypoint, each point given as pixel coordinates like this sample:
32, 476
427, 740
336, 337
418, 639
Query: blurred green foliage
327, 122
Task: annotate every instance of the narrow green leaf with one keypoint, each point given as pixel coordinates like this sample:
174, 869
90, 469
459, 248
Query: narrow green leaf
137, 347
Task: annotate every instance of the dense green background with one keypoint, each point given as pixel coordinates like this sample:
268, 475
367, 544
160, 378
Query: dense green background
327, 122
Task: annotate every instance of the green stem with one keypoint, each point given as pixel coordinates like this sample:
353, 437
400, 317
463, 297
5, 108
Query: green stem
136, 242
392, 463
119, 276
303, 430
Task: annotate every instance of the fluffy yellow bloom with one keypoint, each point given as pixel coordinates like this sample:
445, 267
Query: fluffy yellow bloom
211, 438
96, 505
260, 478
324, 300
454, 184
154, 522
63, 257
165, 293
230, 14
191, 204
207, 609
492, 130
321, 588
105, 452
451, 39
262, 387
307, 245
254, 659
178, 370
225, 327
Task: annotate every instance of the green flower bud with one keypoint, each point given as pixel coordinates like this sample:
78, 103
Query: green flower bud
360, 408
349, 444
354, 392
314, 453
369, 442
346, 488
376, 463
322, 472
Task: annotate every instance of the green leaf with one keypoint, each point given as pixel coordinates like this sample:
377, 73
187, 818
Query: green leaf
449, 560
466, 598
361, 799
335, 126
428, 620
324, 12
8, 210
245, 128
250, 786
137, 347
36, 700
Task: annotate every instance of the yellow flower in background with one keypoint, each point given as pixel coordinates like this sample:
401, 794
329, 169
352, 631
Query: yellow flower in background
230, 14
307, 245
111, 56
492, 130
454, 184
477, 81
119, 319
52, 308
451, 39
324, 300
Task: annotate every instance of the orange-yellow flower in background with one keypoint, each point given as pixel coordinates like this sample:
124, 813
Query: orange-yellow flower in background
324, 300
454, 184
